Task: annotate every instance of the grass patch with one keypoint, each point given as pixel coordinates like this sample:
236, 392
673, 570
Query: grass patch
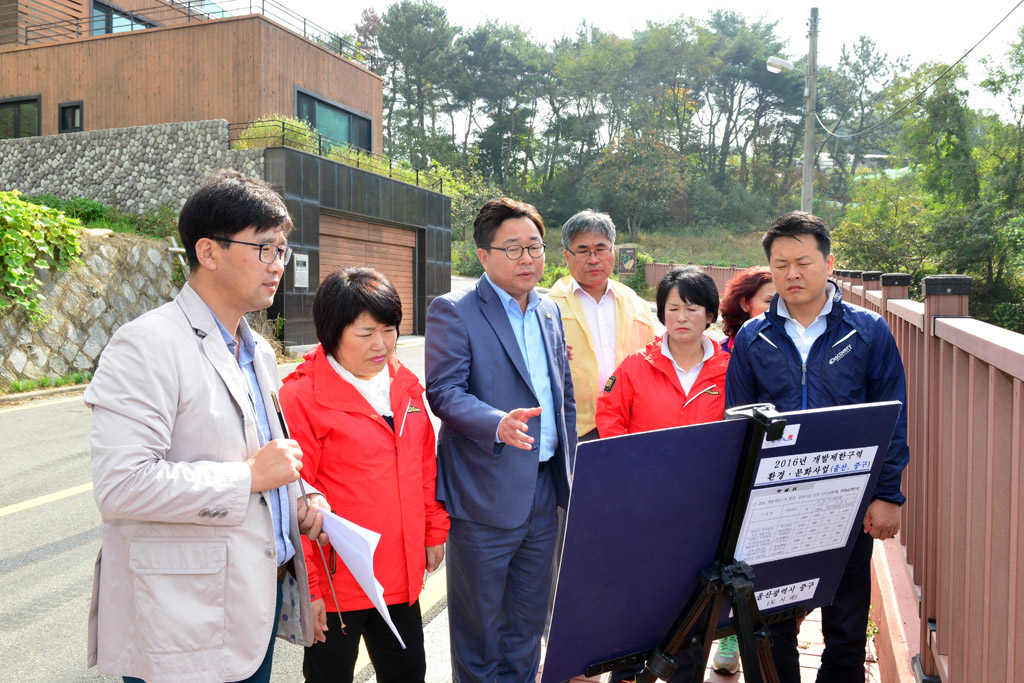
67, 379
160, 223
721, 249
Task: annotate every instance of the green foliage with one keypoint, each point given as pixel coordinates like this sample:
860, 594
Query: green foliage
464, 259
159, 223
637, 179
887, 226
67, 379
1010, 314
32, 237
82, 208
468, 190
552, 274
277, 130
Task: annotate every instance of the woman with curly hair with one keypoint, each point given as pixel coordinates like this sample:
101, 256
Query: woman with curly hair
747, 295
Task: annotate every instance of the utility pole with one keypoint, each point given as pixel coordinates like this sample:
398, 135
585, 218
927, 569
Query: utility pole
810, 125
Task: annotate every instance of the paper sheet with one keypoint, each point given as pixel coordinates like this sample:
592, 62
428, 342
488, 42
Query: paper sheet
799, 519
355, 546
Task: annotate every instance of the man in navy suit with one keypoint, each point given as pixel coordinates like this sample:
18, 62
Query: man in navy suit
498, 378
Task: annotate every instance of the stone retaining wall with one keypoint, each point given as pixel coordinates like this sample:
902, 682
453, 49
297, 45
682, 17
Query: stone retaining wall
132, 169
120, 278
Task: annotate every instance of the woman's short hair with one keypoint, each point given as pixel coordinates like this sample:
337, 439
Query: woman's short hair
694, 287
743, 285
347, 293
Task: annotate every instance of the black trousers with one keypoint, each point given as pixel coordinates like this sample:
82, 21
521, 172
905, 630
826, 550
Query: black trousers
334, 660
844, 625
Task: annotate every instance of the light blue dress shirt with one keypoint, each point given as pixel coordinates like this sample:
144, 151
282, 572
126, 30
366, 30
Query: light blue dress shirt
803, 337
279, 512
526, 328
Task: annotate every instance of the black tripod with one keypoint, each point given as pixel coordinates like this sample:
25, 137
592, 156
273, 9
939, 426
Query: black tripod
725, 580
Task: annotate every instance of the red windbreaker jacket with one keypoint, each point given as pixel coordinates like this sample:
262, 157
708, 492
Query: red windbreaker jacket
646, 394
376, 477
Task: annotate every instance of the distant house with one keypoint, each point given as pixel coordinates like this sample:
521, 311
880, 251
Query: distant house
70, 65
89, 65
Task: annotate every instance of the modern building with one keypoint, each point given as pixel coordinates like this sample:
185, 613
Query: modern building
73, 66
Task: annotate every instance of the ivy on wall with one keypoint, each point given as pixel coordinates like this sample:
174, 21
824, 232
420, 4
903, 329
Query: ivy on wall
32, 237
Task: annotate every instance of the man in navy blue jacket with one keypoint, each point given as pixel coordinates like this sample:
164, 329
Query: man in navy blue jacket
812, 350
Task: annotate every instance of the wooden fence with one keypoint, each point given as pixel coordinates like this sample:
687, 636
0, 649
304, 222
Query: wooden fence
962, 532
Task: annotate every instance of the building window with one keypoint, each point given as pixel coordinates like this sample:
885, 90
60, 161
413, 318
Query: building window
19, 118
69, 117
334, 121
107, 19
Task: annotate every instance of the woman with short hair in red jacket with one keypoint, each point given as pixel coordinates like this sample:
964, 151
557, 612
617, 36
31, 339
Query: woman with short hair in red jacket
679, 378
368, 446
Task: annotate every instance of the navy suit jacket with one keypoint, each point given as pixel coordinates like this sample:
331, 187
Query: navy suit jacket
475, 375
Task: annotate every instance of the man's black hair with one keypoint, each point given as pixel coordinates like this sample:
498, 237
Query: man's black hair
795, 224
225, 205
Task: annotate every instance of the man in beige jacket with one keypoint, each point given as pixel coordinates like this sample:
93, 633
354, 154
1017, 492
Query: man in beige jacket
605, 321
201, 562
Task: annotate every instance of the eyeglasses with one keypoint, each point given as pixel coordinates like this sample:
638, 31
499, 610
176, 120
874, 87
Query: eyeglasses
586, 255
515, 252
268, 252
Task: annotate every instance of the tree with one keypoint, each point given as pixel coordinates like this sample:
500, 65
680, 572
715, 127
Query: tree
940, 140
637, 179
886, 226
416, 38
852, 98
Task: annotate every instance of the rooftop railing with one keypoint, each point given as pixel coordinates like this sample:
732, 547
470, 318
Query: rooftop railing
178, 12
277, 133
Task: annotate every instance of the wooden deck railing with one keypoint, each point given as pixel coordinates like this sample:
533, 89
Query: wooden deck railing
962, 531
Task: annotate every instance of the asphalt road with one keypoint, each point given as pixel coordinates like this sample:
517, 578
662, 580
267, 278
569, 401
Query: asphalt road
50, 532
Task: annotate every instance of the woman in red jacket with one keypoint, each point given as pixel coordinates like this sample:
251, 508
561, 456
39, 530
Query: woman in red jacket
747, 295
368, 446
679, 379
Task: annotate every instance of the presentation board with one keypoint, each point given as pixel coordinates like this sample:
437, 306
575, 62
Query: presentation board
647, 510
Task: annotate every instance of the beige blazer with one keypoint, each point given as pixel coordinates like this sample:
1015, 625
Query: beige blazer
186, 578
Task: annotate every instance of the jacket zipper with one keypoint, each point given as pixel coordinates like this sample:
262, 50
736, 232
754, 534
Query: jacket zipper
692, 398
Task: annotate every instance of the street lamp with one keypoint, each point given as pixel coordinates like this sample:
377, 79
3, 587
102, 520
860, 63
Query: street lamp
777, 65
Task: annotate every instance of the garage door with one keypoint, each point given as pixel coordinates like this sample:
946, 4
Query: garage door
345, 243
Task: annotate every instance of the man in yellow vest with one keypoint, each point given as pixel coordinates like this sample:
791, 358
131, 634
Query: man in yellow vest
605, 321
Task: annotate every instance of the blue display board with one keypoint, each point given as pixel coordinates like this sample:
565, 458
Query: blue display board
647, 510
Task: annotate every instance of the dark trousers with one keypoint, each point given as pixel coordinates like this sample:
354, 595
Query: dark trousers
499, 581
844, 625
262, 674
335, 659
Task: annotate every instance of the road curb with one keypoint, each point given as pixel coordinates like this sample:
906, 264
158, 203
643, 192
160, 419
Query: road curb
41, 393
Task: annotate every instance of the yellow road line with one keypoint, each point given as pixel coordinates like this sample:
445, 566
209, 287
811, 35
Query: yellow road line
429, 597
43, 500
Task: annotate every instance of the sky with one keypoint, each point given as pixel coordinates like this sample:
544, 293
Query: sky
926, 31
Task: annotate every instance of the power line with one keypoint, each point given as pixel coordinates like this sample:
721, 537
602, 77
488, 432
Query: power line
923, 91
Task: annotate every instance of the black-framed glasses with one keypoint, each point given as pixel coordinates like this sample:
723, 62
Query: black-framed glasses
587, 254
515, 252
268, 252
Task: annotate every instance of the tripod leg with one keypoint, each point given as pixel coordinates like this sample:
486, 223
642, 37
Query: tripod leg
755, 641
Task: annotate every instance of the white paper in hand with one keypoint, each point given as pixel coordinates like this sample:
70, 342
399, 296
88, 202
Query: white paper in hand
355, 546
